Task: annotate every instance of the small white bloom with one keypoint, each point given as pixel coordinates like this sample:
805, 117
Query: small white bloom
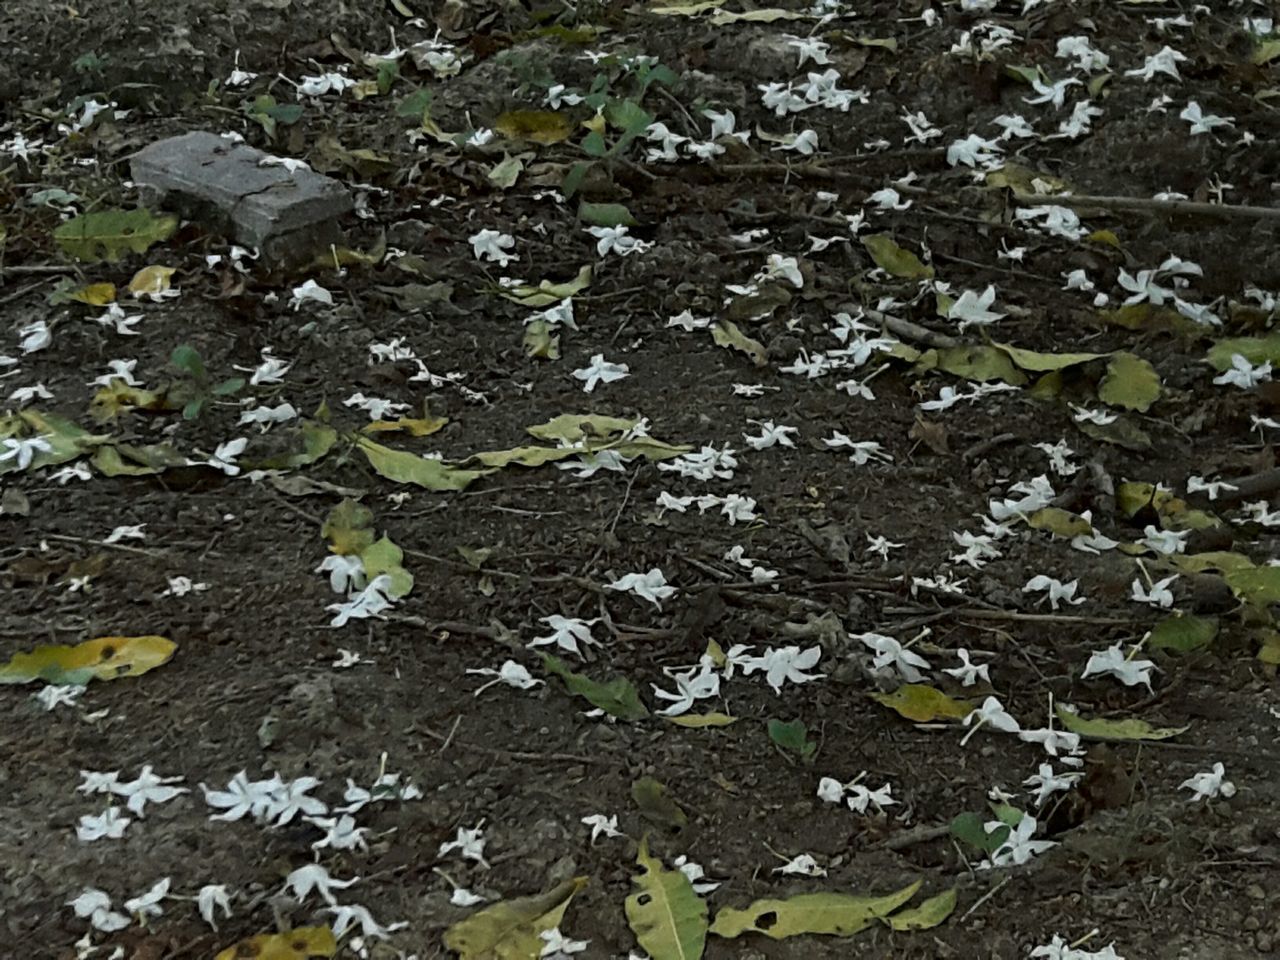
1113, 661
651, 586
1209, 785
211, 897
310, 291
493, 245
600, 370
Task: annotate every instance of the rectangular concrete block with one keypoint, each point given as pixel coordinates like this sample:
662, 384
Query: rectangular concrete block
290, 216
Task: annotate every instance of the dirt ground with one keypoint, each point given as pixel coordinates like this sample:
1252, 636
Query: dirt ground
252, 684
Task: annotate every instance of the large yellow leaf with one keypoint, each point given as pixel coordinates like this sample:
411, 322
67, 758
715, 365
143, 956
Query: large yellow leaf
895, 260
1100, 729
923, 703
511, 929
298, 944
106, 658
540, 126
698, 720
1131, 382
404, 467
928, 915
726, 333
667, 917
572, 427
833, 914
95, 294
1044, 362
415, 427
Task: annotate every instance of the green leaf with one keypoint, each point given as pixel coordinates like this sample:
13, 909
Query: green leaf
832, 914
105, 658
67, 439
1045, 362
1254, 349
627, 116
1131, 382
1120, 432
506, 172
668, 918
616, 697
127, 460
388, 74
228, 387
186, 358
969, 827
593, 145
894, 260
403, 467
978, 362
1265, 51
1183, 634
526, 456
575, 427
548, 292
573, 179
932, 913
657, 806
1100, 729
1256, 585
727, 334
511, 929
317, 440
413, 106
111, 234
385, 557
793, 736
606, 214
540, 342
1059, 522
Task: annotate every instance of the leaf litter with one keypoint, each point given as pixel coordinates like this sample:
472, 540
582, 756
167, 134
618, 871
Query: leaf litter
1067, 573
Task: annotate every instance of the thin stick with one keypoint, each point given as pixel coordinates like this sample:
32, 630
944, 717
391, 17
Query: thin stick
908, 330
1190, 208
985, 897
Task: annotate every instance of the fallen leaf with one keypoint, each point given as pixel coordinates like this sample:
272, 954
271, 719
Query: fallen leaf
1130, 382
151, 281
931, 913
506, 172
548, 292
317, 439
540, 341
895, 260
977, 362
383, 556
668, 918
575, 427
127, 460
511, 929
111, 234
1101, 729
699, 720
95, 295
794, 737
297, 944
1183, 634
656, 805
932, 434
402, 467
616, 697
832, 914
348, 528
1256, 585
540, 126
420, 427
118, 398
606, 214
106, 658
1045, 362
923, 703
726, 334
1059, 522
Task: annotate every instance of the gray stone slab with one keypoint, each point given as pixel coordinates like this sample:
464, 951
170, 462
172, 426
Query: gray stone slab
288, 216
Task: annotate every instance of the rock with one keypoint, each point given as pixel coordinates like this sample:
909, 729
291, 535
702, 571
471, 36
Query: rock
290, 216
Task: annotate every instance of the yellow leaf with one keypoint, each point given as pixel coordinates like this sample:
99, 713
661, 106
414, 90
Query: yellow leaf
726, 334
1132, 497
894, 260
548, 292
297, 944
668, 918
833, 914
596, 124
1105, 237
385, 557
511, 929
401, 466
923, 704
716, 653
928, 915
1044, 362
95, 294
348, 528
422, 427
686, 9
1100, 729
1131, 382
530, 456
699, 720
539, 342
573, 427
757, 16
151, 281
1059, 522
118, 397
540, 126
106, 658
1221, 560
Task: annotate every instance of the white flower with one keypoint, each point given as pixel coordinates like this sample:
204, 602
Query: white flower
600, 824
1159, 596
313, 877
971, 308
95, 906
462, 897
264, 416
469, 844
810, 48
148, 788
974, 151
108, 824
600, 370
770, 434
54, 695
968, 673
882, 546
1210, 784
1052, 740
1164, 541
889, 651
651, 586
1056, 590
1085, 415
617, 239
1244, 374
493, 245
35, 336
1143, 287
1047, 783
993, 713
24, 395
341, 833
511, 673
346, 572
567, 633
224, 457
312, 292
1018, 848
23, 450
1164, 61
1113, 661
695, 875
888, 198
373, 600
863, 799
346, 914
148, 904
698, 683
803, 865
1055, 220
556, 945
830, 790
785, 664
805, 142
270, 370
1202, 122
210, 897
290, 799
1055, 92
242, 796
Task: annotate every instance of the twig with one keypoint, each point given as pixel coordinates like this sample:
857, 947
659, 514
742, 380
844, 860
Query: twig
519, 754
980, 614
909, 838
101, 543
986, 446
908, 330
985, 897
20, 270
1256, 485
449, 739
1189, 208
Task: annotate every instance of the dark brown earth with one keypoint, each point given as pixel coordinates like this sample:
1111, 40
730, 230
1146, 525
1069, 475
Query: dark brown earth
1157, 875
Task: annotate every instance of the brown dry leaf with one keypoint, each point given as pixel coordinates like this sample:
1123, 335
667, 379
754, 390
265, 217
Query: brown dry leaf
298, 944
932, 434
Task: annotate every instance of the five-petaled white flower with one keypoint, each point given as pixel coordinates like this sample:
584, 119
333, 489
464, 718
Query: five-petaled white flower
567, 633
1129, 671
785, 664
1244, 374
1158, 596
968, 673
1055, 590
493, 245
23, 450
600, 370
651, 586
